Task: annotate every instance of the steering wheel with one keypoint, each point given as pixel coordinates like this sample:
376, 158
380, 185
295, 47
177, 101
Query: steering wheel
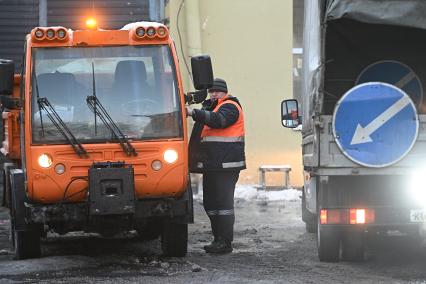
140, 107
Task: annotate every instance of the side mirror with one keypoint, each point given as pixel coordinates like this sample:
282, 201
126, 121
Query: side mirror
7, 70
196, 97
202, 72
289, 113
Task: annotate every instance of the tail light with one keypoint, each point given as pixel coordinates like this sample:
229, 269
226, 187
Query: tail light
351, 216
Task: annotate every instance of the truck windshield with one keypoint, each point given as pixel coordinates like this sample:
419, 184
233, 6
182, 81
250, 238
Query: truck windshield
136, 85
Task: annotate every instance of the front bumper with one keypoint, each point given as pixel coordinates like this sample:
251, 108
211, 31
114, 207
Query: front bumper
179, 209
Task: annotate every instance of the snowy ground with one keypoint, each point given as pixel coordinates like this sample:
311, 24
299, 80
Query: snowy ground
251, 193
271, 246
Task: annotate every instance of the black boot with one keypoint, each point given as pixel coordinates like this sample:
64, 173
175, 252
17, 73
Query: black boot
214, 224
219, 246
211, 245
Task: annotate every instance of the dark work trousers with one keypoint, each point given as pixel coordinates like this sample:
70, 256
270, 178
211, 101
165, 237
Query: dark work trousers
218, 199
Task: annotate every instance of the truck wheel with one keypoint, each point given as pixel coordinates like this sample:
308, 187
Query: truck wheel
311, 227
309, 218
6, 184
174, 239
353, 246
151, 230
25, 238
26, 244
328, 244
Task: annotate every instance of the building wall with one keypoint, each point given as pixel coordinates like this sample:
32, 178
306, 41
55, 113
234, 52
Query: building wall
250, 43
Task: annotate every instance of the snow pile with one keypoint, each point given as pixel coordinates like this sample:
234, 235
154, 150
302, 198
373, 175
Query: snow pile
249, 192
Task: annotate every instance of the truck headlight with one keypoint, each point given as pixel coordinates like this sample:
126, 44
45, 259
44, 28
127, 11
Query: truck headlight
45, 160
170, 156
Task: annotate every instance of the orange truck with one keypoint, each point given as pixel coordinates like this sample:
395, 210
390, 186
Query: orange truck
96, 137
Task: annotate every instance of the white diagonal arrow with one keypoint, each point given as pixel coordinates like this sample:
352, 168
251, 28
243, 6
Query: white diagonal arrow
405, 80
362, 134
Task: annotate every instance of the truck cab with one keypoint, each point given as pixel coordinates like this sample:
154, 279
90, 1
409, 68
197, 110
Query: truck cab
95, 131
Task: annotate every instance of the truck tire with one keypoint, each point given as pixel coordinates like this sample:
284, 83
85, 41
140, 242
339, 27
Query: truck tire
353, 246
26, 244
174, 239
311, 228
328, 243
25, 238
6, 183
309, 218
151, 230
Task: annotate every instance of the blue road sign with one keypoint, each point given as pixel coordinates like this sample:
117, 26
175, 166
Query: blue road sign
375, 124
394, 73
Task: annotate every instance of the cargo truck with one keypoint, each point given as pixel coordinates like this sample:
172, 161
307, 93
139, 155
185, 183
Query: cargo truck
363, 122
95, 132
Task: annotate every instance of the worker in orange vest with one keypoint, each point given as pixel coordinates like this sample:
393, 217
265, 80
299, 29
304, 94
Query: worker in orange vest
216, 149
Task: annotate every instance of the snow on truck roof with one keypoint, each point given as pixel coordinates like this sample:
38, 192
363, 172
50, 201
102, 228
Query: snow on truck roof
143, 24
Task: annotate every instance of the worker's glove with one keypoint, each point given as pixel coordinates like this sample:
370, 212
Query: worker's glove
189, 111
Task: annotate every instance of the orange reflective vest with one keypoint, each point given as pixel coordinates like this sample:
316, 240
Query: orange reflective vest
221, 149
232, 133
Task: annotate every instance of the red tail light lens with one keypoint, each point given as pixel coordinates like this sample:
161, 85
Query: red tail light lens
351, 216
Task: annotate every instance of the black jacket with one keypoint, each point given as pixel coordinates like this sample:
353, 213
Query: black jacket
210, 156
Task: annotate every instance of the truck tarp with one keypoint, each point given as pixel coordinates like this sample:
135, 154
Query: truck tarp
405, 13
387, 12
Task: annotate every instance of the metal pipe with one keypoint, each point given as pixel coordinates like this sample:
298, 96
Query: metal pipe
193, 31
153, 10
42, 13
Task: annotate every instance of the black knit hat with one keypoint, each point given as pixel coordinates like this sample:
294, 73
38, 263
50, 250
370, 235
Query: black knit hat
219, 85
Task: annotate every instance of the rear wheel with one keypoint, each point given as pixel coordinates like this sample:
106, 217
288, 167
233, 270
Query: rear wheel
309, 218
311, 227
328, 244
353, 246
174, 239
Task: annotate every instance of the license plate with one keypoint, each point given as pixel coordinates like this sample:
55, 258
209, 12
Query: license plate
418, 215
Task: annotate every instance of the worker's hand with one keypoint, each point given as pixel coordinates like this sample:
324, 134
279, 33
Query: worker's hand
189, 111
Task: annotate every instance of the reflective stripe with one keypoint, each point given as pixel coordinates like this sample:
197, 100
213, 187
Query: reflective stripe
233, 164
226, 212
212, 212
222, 139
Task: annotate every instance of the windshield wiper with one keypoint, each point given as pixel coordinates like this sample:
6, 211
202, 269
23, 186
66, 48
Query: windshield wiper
38, 103
45, 105
98, 110
94, 94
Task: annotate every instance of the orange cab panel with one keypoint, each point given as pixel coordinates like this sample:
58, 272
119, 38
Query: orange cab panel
50, 185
